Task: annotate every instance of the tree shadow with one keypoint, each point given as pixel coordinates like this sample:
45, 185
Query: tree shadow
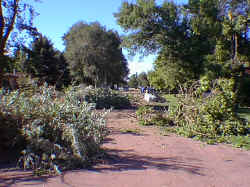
13, 177
126, 160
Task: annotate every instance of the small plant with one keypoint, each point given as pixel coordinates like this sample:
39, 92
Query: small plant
145, 115
160, 120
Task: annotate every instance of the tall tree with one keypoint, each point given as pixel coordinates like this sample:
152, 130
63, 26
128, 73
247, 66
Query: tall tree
45, 62
143, 79
133, 81
16, 16
162, 28
94, 54
187, 37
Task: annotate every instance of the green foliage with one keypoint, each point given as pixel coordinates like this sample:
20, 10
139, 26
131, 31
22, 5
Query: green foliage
160, 120
244, 90
58, 133
151, 26
192, 40
143, 79
172, 101
107, 98
11, 137
210, 117
46, 63
240, 141
145, 115
244, 113
148, 115
156, 80
94, 54
169, 73
133, 81
6, 64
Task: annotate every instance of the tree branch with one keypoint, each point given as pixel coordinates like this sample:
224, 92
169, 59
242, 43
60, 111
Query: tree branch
2, 24
5, 35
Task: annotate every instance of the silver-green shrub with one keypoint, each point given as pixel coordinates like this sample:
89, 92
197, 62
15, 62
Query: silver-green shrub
60, 133
107, 98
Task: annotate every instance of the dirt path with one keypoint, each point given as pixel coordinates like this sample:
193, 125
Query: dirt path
147, 159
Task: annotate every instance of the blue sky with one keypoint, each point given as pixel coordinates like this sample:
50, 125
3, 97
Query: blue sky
57, 16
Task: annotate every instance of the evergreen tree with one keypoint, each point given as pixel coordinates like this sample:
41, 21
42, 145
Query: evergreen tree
46, 63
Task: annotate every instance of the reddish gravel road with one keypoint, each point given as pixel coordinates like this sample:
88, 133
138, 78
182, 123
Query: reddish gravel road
148, 159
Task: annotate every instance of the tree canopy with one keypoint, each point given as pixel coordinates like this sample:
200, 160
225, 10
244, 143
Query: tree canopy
94, 54
45, 62
191, 40
143, 79
133, 81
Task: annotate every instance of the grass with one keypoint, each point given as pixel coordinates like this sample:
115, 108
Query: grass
172, 100
244, 113
240, 141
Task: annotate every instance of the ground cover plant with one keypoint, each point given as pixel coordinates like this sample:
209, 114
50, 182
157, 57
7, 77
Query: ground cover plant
57, 133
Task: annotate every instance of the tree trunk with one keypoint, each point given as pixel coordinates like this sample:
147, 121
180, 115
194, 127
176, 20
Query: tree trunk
235, 47
4, 35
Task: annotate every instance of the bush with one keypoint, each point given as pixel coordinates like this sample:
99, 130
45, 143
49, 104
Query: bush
212, 116
59, 134
148, 115
145, 115
107, 98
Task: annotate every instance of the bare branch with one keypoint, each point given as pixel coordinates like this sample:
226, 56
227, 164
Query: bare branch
12, 22
2, 25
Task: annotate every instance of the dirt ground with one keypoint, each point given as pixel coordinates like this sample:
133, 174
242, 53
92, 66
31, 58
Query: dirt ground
140, 157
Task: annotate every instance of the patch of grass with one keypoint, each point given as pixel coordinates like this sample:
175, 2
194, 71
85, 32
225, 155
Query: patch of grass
244, 113
240, 141
172, 100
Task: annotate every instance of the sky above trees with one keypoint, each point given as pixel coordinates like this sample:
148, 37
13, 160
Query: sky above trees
57, 16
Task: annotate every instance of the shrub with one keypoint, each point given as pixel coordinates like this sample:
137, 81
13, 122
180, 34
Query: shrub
148, 115
209, 117
59, 134
107, 98
145, 115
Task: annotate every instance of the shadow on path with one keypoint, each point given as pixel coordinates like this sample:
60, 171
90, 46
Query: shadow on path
16, 176
125, 160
